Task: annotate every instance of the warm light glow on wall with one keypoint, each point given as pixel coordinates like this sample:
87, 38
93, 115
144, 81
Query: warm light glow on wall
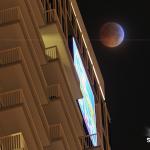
88, 53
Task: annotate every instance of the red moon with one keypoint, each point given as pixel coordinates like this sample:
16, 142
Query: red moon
111, 34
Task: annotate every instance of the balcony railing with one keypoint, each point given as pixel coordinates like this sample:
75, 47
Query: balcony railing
86, 142
51, 53
54, 91
9, 15
50, 16
63, 12
12, 98
10, 56
13, 142
56, 132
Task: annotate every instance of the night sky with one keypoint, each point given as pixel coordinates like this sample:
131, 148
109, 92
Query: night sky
125, 68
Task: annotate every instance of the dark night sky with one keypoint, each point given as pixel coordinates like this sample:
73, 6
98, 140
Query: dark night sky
125, 69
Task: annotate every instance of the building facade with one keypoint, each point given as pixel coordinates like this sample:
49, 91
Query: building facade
45, 101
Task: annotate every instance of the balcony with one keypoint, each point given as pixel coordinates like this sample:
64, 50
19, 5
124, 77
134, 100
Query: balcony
10, 56
86, 142
51, 53
56, 132
58, 138
10, 99
54, 92
13, 142
57, 111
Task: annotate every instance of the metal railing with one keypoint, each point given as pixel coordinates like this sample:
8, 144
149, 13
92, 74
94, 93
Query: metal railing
86, 141
10, 56
55, 132
54, 91
13, 142
9, 15
11, 98
50, 16
51, 53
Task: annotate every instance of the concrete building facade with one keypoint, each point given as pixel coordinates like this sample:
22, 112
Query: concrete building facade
39, 85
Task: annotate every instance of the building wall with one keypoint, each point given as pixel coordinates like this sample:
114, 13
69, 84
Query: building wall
39, 86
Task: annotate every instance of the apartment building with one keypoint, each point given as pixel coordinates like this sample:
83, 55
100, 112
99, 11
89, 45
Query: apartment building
51, 88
